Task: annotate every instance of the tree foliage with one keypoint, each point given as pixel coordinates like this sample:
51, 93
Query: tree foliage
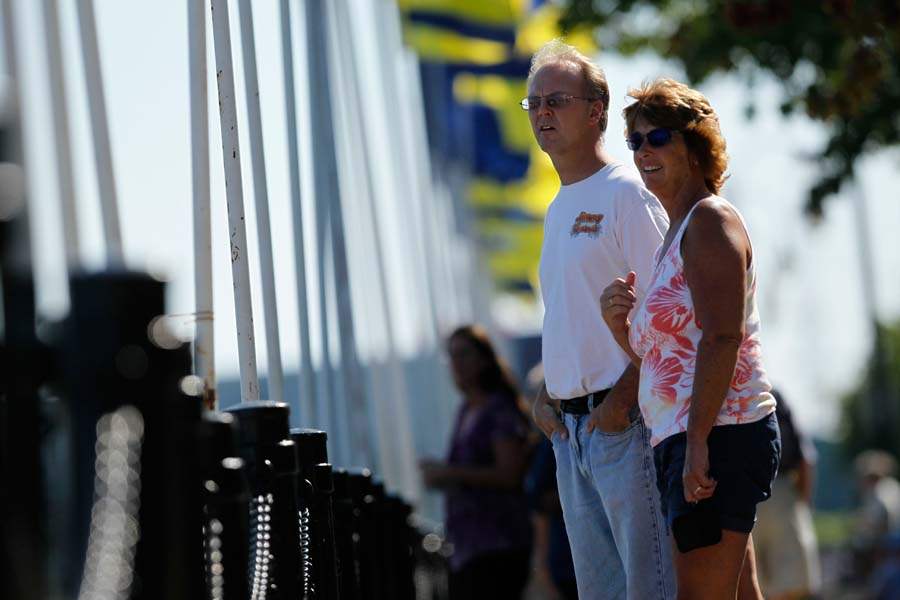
837, 60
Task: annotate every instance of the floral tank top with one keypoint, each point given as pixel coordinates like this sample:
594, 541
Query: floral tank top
665, 334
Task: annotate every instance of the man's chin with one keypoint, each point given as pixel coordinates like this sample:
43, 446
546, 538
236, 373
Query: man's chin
548, 146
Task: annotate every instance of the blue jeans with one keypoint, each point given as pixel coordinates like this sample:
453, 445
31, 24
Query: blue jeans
607, 488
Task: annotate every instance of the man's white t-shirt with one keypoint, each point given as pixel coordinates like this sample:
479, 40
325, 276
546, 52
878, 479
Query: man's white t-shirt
595, 230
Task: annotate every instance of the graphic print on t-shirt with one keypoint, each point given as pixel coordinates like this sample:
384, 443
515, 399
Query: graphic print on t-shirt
587, 223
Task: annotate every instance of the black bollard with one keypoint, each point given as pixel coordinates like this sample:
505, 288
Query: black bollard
367, 533
225, 508
137, 503
381, 534
312, 448
399, 541
24, 367
323, 511
345, 532
316, 477
275, 564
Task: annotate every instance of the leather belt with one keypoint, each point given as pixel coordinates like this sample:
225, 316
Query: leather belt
582, 405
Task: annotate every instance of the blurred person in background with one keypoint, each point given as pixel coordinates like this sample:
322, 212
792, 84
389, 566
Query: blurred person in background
876, 528
695, 337
488, 520
879, 507
787, 554
602, 224
552, 556
885, 581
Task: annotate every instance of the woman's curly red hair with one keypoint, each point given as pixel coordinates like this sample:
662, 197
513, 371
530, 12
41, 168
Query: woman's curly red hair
668, 103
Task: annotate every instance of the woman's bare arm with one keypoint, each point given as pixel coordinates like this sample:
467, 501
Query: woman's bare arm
716, 255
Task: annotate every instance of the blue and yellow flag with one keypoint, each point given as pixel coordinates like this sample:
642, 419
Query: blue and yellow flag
475, 56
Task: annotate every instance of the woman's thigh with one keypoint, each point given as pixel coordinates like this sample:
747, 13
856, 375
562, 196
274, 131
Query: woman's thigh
711, 572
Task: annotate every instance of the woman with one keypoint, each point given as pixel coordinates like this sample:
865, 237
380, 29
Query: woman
703, 390
487, 511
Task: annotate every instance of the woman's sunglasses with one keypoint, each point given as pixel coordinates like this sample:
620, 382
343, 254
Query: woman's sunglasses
657, 138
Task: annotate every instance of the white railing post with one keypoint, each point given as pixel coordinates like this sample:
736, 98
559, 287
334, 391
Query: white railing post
261, 196
351, 405
63, 146
106, 182
204, 340
307, 374
325, 385
19, 247
393, 425
240, 268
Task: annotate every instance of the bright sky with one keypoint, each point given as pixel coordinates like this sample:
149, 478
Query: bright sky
816, 333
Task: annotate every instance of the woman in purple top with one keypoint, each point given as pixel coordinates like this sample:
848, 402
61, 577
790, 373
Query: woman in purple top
487, 511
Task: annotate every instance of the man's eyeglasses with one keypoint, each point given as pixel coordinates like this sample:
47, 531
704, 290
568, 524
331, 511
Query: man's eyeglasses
554, 101
657, 138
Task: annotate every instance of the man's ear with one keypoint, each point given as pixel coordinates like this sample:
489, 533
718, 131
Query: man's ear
596, 111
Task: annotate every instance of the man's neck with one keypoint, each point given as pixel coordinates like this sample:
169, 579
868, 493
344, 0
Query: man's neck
580, 164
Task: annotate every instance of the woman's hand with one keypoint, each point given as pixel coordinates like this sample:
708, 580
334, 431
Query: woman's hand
716, 254
434, 473
698, 485
616, 302
506, 472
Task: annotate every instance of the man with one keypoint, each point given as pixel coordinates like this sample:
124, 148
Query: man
602, 224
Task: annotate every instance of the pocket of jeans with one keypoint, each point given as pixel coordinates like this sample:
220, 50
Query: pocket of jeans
619, 434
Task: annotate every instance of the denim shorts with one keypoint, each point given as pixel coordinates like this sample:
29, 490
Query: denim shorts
743, 459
